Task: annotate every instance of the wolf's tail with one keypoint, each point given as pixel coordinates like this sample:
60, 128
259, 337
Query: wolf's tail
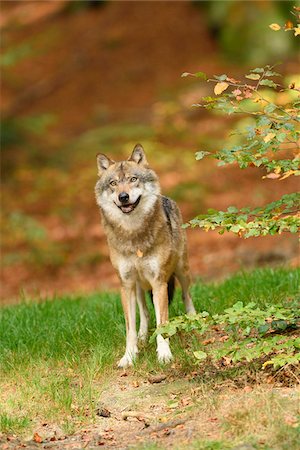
171, 289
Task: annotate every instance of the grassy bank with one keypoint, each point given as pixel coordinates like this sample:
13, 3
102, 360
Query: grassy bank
58, 355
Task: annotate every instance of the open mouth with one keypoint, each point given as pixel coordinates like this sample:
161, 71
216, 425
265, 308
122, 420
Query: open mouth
129, 207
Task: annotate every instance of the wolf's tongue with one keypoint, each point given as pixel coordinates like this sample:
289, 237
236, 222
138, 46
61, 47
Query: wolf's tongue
127, 208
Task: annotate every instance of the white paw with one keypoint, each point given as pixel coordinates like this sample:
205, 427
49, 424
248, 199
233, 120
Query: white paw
164, 354
128, 359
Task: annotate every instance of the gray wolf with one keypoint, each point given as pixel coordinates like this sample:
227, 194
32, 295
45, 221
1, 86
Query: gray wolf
147, 244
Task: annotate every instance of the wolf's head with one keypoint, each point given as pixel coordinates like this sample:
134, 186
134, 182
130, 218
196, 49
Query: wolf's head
126, 188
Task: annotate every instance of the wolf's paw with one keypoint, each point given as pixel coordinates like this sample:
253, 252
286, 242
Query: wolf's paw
128, 359
164, 354
124, 362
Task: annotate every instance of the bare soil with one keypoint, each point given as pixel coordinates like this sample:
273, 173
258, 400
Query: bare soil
133, 411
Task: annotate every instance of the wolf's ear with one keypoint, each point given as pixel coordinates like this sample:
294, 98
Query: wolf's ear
138, 155
103, 163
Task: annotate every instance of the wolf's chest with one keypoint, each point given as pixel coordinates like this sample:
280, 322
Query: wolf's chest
140, 268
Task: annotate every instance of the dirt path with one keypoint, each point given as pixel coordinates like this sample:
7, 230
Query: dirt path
135, 412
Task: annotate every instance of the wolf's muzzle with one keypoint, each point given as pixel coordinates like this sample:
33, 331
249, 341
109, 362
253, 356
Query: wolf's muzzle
129, 207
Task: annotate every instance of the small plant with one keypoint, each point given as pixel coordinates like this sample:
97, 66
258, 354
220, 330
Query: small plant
270, 141
273, 130
243, 333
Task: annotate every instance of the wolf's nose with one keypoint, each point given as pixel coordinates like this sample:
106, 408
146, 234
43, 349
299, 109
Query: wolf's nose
123, 197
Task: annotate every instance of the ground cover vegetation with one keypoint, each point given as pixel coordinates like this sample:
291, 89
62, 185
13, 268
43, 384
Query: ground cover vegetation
58, 359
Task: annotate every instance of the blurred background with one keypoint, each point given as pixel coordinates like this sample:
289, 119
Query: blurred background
82, 77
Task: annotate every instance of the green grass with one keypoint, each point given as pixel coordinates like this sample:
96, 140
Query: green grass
57, 355
90, 330
13, 424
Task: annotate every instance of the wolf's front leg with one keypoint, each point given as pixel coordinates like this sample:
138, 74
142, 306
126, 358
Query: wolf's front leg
144, 314
128, 297
161, 305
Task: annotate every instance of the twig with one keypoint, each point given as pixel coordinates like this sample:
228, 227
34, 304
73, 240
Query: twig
163, 426
136, 414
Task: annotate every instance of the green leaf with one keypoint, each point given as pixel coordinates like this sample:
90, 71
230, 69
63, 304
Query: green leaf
257, 70
270, 73
201, 356
270, 108
200, 155
232, 209
269, 83
201, 75
281, 137
221, 77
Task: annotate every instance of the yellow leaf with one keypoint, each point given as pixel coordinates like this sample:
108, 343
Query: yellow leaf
297, 31
267, 363
269, 137
275, 27
277, 169
288, 174
220, 87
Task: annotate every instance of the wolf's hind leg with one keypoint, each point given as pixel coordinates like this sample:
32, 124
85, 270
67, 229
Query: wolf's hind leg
183, 277
144, 314
161, 306
128, 297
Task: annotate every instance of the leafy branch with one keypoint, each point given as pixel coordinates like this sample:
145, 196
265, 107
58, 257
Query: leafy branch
275, 218
249, 333
275, 128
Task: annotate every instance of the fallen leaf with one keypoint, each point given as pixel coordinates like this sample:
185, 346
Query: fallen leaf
37, 438
223, 338
220, 87
186, 401
288, 174
213, 419
156, 378
272, 176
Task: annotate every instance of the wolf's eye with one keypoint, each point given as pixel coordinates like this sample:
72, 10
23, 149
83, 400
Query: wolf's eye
133, 179
113, 183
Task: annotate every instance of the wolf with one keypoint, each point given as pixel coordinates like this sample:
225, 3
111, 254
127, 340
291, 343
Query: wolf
146, 242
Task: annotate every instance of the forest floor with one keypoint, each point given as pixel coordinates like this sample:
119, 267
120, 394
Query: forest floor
61, 389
